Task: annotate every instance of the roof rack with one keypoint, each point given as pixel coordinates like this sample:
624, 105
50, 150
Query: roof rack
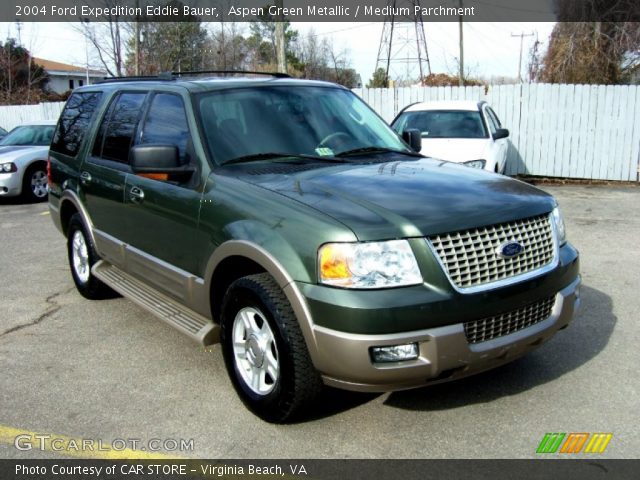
171, 76
165, 76
231, 72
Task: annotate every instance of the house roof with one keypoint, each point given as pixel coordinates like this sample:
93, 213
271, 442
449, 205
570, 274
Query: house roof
58, 67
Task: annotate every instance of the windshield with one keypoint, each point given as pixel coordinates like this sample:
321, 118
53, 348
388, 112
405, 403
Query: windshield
296, 120
29, 135
443, 123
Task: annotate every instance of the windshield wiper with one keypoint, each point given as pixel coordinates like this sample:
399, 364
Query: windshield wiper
365, 150
269, 155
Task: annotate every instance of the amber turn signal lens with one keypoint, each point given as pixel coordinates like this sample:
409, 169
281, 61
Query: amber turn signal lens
333, 263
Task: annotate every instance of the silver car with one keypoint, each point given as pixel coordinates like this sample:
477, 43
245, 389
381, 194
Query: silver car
23, 160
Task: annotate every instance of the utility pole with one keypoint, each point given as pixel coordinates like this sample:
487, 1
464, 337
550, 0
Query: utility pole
19, 27
137, 41
280, 40
521, 35
461, 63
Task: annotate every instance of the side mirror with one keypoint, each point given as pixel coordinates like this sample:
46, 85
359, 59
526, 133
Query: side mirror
413, 137
159, 160
501, 133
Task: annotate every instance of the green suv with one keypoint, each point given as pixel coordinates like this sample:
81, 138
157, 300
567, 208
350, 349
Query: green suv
285, 220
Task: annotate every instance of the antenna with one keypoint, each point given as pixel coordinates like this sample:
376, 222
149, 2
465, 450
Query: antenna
403, 50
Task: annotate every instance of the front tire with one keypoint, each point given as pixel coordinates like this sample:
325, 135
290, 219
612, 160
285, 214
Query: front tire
34, 183
82, 256
264, 350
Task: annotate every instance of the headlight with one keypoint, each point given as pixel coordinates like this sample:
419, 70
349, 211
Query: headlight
559, 224
368, 265
8, 167
476, 163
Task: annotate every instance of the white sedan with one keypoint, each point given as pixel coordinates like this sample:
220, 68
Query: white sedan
23, 161
458, 131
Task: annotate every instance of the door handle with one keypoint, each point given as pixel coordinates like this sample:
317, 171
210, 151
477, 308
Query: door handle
136, 194
85, 177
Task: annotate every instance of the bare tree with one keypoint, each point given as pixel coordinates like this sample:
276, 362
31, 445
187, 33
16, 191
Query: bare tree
322, 60
108, 39
226, 47
21, 80
604, 51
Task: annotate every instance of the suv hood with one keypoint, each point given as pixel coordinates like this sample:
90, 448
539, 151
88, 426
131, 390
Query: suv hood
407, 198
455, 149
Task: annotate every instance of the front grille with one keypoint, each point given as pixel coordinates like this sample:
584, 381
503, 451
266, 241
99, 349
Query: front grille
492, 327
470, 257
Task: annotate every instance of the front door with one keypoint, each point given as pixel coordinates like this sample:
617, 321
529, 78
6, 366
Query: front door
162, 215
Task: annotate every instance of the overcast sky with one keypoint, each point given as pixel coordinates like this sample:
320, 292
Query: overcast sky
489, 48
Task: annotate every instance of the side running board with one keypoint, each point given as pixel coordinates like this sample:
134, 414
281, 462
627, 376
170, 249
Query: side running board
192, 324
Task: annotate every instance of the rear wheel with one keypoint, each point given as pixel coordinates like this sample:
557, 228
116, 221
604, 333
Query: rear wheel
264, 350
82, 256
34, 183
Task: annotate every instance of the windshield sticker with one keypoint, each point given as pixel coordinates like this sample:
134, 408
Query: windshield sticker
324, 152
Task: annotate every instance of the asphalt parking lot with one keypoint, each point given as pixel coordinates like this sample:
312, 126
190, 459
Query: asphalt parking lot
108, 370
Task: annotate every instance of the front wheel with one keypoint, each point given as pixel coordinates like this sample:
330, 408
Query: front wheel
34, 183
264, 350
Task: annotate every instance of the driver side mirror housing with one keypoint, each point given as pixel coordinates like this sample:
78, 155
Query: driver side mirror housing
413, 137
159, 160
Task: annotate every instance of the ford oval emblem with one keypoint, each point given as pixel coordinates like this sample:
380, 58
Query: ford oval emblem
510, 249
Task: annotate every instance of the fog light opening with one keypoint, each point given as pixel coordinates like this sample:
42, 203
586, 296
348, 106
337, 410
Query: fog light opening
394, 353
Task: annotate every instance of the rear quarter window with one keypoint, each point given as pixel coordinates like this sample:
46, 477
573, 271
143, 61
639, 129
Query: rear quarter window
74, 122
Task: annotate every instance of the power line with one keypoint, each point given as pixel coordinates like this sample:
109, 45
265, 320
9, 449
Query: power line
344, 29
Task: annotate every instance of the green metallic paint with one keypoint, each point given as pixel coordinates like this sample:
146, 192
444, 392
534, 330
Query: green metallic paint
394, 196
165, 223
289, 231
422, 306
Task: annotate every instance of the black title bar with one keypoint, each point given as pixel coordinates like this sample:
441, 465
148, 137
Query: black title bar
320, 10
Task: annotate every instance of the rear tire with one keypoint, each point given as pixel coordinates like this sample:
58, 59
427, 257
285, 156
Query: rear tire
264, 350
34, 183
82, 256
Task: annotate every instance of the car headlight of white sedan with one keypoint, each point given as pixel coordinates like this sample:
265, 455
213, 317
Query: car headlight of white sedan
476, 163
8, 167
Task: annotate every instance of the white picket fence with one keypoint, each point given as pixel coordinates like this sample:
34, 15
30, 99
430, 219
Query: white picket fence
14, 115
571, 131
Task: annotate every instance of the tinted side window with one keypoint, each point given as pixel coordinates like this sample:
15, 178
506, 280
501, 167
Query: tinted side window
74, 122
119, 126
166, 123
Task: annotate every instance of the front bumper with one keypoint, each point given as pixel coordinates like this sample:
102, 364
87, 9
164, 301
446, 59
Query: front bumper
444, 352
10, 184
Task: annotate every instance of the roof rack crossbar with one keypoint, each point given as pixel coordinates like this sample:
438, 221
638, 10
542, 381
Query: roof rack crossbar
137, 78
232, 72
171, 76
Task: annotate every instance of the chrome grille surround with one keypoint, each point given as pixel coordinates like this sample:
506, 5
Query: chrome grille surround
489, 328
471, 262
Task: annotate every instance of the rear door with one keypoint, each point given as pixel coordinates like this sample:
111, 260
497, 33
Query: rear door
162, 214
103, 174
